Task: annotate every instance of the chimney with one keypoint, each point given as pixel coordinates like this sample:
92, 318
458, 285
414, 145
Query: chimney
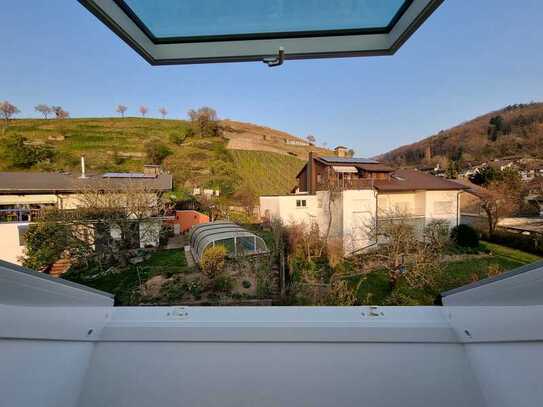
151, 170
83, 172
310, 174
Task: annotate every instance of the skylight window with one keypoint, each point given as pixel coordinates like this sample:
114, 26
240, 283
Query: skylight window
201, 20
196, 31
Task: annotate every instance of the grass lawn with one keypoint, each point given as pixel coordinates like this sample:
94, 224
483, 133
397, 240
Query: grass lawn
123, 283
374, 289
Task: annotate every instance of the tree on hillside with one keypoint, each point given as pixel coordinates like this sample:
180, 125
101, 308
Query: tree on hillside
59, 112
311, 139
45, 110
7, 111
204, 122
156, 151
143, 110
497, 127
163, 112
121, 109
19, 154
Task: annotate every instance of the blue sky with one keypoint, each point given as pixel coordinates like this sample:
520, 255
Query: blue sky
469, 58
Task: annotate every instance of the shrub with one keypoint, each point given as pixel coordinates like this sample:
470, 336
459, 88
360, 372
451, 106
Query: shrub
156, 151
177, 138
465, 236
223, 284
20, 154
246, 284
196, 288
529, 243
213, 261
45, 243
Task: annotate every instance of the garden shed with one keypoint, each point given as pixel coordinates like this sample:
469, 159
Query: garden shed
237, 240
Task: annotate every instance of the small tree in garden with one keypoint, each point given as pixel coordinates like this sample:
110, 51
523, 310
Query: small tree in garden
143, 110
213, 261
7, 111
45, 110
465, 236
45, 243
163, 112
121, 109
403, 253
247, 198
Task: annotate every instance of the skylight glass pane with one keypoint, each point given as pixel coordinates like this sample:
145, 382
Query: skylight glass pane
203, 18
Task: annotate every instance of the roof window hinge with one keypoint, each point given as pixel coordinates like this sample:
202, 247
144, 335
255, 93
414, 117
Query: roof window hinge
276, 60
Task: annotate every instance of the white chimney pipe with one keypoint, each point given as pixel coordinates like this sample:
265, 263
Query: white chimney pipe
83, 174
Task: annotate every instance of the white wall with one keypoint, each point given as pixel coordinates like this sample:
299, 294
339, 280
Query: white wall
10, 249
171, 374
42, 373
397, 203
284, 208
435, 202
359, 208
28, 199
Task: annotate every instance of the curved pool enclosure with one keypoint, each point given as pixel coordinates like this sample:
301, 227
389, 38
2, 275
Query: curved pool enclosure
236, 240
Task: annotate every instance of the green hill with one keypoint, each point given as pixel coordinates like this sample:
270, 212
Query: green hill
269, 173
117, 145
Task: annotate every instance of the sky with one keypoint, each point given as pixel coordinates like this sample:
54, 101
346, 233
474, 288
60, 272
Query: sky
470, 57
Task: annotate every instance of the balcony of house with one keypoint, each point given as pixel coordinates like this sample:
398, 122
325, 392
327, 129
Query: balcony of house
18, 214
344, 182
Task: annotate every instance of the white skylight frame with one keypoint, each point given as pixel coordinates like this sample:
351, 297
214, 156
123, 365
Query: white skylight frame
367, 44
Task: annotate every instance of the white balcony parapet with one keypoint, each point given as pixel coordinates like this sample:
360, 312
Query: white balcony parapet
65, 345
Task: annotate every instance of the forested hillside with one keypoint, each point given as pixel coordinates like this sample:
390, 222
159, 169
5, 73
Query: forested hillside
516, 130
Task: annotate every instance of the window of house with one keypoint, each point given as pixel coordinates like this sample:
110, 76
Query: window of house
403, 208
301, 203
443, 207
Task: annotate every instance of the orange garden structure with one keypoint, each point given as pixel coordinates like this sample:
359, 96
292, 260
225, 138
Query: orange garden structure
185, 219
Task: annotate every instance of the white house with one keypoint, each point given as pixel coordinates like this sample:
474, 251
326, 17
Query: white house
363, 191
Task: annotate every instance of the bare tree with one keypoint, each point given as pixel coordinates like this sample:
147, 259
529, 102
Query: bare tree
143, 110
498, 200
403, 251
59, 112
121, 109
45, 110
163, 112
204, 121
7, 111
311, 139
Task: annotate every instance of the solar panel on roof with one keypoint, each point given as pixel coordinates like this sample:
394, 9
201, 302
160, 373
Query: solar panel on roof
127, 175
347, 160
